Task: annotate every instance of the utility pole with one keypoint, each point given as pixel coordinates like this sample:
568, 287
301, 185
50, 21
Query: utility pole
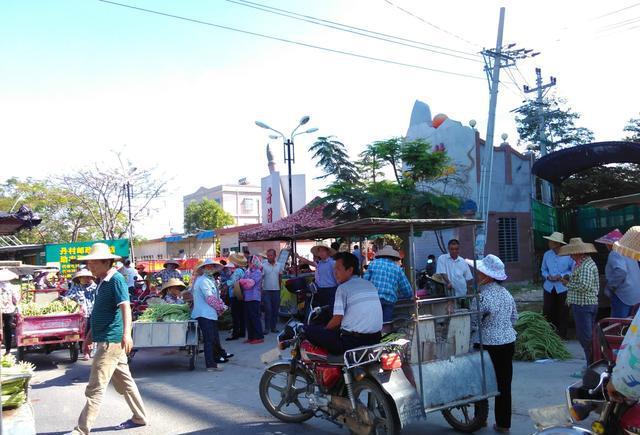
495, 60
541, 91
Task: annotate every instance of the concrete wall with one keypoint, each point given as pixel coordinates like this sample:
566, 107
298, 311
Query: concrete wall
151, 250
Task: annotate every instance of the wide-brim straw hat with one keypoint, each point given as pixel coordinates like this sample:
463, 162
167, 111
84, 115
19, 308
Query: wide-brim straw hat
81, 273
610, 238
491, 266
174, 262
100, 251
316, 249
173, 282
7, 275
577, 246
629, 244
238, 259
208, 262
388, 251
556, 237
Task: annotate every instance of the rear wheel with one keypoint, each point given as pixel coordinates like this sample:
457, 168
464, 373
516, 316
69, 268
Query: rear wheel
20, 353
368, 394
73, 352
283, 394
468, 418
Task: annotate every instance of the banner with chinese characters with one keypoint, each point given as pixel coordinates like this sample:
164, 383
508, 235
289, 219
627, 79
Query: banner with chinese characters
65, 254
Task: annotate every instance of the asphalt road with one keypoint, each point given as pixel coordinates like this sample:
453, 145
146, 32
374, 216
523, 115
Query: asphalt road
179, 401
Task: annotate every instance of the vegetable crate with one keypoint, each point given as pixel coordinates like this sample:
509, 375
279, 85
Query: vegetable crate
49, 333
184, 335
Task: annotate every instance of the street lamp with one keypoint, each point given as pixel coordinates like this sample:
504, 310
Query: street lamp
127, 187
289, 150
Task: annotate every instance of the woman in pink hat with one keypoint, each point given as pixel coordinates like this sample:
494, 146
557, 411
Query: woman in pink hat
623, 278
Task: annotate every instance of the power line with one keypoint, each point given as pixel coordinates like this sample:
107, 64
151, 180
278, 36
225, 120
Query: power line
344, 28
515, 83
619, 24
289, 41
431, 24
617, 11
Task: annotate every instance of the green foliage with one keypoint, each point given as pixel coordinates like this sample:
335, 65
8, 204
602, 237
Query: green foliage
206, 214
559, 125
633, 128
600, 183
333, 158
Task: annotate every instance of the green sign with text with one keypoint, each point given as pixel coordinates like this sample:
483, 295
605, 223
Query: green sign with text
65, 254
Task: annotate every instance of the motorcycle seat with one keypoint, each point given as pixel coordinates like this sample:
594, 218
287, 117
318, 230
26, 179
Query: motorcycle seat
337, 360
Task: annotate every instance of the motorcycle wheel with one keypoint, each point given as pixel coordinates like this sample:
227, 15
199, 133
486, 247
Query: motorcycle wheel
281, 400
460, 419
369, 394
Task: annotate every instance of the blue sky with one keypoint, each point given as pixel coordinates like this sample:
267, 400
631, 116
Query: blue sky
81, 78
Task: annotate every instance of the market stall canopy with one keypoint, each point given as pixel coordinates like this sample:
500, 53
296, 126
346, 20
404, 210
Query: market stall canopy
557, 166
369, 226
24, 218
616, 202
310, 217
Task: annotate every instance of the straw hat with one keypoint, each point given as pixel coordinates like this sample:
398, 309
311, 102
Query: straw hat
491, 266
610, 238
629, 244
316, 249
173, 282
577, 246
208, 262
175, 262
238, 259
7, 275
100, 251
388, 251
81, 273
556, 237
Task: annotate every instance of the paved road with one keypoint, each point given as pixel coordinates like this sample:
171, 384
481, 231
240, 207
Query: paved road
198, 402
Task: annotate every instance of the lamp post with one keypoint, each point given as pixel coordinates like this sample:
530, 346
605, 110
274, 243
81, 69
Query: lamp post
289, 150
127, 188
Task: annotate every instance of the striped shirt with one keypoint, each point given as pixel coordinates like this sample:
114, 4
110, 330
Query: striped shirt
357, 301
584, 284
106, 317
389, 279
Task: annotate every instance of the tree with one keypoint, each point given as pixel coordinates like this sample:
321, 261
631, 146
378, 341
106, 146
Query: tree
600, 183
633, 128
559, 125
206, 214
103, 194
333, 158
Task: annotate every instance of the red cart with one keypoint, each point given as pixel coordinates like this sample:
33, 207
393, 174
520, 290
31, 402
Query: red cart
49, 333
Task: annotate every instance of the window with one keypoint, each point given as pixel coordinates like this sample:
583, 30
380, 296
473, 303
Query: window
508, 239
248, 206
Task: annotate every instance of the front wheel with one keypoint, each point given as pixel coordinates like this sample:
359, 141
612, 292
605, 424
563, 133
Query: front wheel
468, 418
379, 405
282, 393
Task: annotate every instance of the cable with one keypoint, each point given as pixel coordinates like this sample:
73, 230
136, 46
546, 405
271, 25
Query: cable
431, 24
522, 75
289, 41
619, 10
344, 28
515, 82
619, 24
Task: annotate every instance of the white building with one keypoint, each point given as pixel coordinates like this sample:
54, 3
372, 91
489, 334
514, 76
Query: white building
242, 200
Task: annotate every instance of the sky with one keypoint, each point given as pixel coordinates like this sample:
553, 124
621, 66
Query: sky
80, 79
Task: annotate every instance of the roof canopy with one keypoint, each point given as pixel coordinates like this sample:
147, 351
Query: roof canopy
616, 202
557, 166
24, 218
310, 217
370, 226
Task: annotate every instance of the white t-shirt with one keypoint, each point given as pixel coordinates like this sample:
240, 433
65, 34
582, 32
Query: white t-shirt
357, 300
130, 274
457, 271
271, 277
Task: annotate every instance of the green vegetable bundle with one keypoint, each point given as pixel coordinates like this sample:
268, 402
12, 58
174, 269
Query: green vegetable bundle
166, 313
537, 339
54, 307
14, 387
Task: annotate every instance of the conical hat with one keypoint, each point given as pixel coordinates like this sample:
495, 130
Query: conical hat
610, 238
577, 246
7, 275
629, 244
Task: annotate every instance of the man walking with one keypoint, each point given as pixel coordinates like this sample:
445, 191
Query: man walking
110, 332
271, 291
454, 269
389, 279
554, 269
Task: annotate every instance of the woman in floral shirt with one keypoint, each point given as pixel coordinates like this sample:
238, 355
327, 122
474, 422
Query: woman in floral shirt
498, 315
582, 291
9, 297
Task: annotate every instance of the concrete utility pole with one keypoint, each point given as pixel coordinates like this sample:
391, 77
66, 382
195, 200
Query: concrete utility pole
495, 60
541, 135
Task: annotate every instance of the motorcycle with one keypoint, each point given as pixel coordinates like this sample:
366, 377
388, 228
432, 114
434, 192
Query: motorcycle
370, 390
590, 396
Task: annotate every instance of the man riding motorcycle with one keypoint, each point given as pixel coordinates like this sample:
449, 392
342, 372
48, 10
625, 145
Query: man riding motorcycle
357, 313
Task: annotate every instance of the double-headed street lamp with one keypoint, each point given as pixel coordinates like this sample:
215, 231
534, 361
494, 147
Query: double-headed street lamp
289, 150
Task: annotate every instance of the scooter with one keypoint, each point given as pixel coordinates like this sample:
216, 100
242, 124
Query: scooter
590, 396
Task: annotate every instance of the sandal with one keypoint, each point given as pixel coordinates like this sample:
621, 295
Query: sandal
129, 424
85, 357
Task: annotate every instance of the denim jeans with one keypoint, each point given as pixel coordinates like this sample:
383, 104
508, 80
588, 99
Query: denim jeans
211, 339
253, 320
271, 300
387, 311
585, 318
618, 308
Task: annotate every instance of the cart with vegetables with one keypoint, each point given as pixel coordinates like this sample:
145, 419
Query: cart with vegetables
17, 413
46, 328
164, 325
